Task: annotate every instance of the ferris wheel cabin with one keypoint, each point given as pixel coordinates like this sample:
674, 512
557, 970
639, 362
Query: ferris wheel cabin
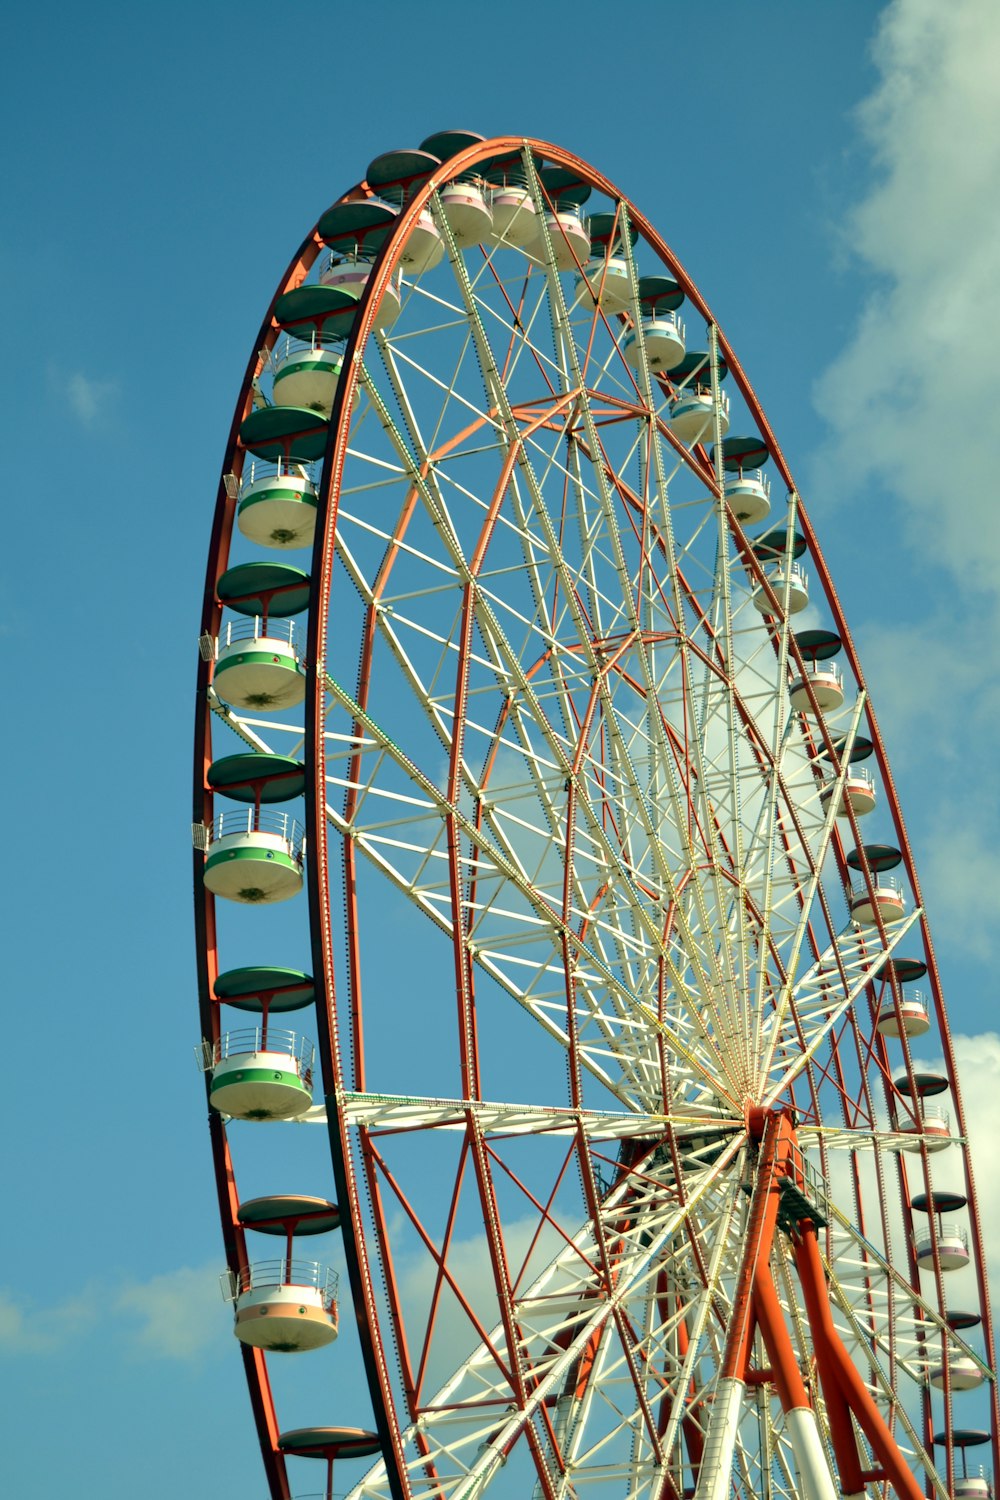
286, 1305
265, 1071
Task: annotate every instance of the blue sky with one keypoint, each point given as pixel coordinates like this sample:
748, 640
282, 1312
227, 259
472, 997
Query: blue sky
830, 175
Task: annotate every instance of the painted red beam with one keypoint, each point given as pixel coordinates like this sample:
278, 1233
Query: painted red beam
848, 1388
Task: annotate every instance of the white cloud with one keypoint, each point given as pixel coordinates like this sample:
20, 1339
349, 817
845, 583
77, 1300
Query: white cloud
938, 686
28, 1328
176, 1315
909, 398
12, 1323
90, 400
960, 885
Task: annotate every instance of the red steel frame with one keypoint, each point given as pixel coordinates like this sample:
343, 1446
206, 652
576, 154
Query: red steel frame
757, 1303
759, 1300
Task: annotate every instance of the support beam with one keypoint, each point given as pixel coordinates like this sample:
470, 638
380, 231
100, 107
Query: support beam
815, 1478
715, 1472
838, 1411
855, 1393
810, 1455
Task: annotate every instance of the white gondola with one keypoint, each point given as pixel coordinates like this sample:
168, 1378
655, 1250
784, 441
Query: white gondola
859, 794
306, 373
252, 859
827, 683
260, 1073
971, 1487
277, 505
953, 1249
605, 281
663, 337
469, 216
933, 1131
749, 495
514, 219
912, 1020
785, 576
570, 240
284, 1306
691, 415
424, 247
258, 670
964, 1374
886, 898
351, 275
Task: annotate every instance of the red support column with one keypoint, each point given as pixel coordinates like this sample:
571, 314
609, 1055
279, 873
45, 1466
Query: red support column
845, 1446
784, 1365
841, 1368
760, 1238
756, 1302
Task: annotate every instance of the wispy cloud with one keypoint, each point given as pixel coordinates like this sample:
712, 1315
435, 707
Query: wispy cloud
922, 667
908, 399
30, 1328
177, 1315
937, 687
91, 401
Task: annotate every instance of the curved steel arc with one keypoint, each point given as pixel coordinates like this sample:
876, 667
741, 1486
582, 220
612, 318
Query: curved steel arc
261, 1400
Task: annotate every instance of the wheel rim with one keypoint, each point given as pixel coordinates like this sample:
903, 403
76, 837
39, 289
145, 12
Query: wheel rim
550, 738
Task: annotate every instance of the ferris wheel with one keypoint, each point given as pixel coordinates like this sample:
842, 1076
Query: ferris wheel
647, 1152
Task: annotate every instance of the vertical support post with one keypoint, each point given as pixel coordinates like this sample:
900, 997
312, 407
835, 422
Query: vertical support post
715, 1470
838, 1411
800, 1419
853, 1390
756, 1300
